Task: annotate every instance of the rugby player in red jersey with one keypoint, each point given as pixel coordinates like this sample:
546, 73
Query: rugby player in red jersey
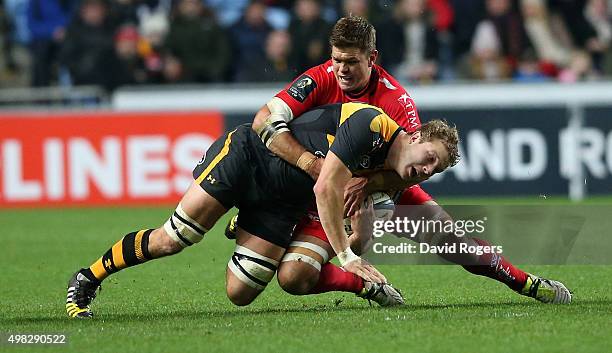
352, 75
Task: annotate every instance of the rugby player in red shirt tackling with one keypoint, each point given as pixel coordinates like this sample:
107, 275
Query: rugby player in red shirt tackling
353, 76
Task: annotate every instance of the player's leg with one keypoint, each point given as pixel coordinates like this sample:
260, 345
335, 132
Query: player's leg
251, 267
263, 233
300, 268
196, 213
305, 269
491, 265
204, 202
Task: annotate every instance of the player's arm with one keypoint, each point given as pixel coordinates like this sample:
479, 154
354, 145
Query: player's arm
358, 188
270, 124
362, 224
330, 204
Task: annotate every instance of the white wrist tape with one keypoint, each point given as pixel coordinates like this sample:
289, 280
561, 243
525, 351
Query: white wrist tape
276, 123
347, 256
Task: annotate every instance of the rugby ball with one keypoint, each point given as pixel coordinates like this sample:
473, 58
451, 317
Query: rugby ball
383, 210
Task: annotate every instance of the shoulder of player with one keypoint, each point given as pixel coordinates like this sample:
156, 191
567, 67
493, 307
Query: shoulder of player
321, 71
389, 89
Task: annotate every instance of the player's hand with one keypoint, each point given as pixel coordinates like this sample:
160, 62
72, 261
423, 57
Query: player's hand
362, 223
354, 195
363, 269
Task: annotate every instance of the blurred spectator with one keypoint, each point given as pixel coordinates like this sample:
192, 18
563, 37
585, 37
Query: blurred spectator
529, 69
275, 67
390, 41
582, 33
355, 8
123, 12
578, 69
486, 61
278, 13
249, 34
443, 14
153, 29
550, 51
47, 20
128, 67
442, 20
228, 12
16, 12
198, 49
420, 42
597, 14
16, 51
509, 29
152, 8
310, 35
469, 14
88, 47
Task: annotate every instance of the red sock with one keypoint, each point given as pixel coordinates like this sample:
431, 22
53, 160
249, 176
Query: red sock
497, 267
334, 278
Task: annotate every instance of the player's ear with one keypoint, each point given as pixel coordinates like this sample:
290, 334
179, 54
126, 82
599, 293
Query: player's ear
415, 137
372, 58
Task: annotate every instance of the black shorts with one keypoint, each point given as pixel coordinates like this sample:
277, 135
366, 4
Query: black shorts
238, 171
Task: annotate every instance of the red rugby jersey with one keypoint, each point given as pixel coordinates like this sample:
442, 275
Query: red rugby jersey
318, 86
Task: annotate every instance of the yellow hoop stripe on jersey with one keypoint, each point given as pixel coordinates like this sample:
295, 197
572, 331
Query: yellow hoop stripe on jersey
224, 151
330, 139
385, 126
348, 109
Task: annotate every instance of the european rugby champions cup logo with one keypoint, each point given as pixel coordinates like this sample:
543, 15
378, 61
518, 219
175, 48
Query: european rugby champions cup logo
303, 83
301, 88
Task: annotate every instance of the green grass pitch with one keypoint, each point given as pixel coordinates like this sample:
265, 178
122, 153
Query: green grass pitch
178, 304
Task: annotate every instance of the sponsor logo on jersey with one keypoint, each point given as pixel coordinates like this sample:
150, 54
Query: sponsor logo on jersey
410, 109
301, 88
377, 143
319, 154
365, 162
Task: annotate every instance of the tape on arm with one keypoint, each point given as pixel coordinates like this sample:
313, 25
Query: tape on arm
276, 123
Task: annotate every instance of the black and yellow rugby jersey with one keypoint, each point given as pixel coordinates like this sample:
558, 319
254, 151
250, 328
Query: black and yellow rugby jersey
359, 134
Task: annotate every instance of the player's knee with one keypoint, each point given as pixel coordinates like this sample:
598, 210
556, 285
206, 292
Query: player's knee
297, 278
248, 275
238, 296
184, 230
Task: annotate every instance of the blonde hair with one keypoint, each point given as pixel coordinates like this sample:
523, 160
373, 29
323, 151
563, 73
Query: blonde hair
447, 134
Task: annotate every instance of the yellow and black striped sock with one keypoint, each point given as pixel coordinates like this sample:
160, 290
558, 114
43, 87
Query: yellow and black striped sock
130, 251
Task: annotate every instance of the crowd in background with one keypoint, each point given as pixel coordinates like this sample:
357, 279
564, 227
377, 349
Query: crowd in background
112, 43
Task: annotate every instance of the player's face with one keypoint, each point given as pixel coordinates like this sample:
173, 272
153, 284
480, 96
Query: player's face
352, 67
424, 159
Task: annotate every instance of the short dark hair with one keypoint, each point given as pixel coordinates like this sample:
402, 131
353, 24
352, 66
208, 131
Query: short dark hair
447, 134
353, 32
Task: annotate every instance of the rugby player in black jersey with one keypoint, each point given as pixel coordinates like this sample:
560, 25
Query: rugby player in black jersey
272, 195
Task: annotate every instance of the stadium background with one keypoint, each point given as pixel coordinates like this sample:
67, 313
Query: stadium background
111, 103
